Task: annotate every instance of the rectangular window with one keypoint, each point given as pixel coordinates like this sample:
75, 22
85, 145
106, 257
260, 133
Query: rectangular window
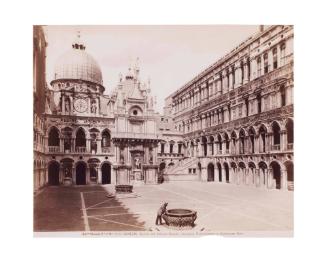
162, 148
275, 64
179, 148
265, 62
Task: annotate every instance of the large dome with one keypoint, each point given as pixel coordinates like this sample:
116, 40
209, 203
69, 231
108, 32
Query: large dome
79, 65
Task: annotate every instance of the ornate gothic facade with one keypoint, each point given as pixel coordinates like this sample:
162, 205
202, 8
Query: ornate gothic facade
237, 115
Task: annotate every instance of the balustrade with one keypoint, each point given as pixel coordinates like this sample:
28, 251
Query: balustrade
53, 149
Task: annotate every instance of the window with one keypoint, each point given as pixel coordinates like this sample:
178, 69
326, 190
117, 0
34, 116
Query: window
246, 107
259, 103
282, 54
162, 148
179, 148
265, 62
171, 148
283, 96
275, 63
258, 66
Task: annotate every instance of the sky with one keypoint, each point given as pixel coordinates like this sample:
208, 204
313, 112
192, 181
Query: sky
169, 56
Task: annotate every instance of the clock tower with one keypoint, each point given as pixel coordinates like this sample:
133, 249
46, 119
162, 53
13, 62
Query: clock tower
77, 83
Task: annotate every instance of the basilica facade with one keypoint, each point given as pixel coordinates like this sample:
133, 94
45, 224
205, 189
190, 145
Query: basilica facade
232, 123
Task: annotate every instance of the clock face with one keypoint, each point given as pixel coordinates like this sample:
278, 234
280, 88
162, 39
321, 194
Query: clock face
80, 105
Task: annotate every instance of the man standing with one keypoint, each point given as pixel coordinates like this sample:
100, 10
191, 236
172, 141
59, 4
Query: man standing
161, 211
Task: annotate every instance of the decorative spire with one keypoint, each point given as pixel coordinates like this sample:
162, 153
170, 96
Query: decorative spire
78, 43
136, 68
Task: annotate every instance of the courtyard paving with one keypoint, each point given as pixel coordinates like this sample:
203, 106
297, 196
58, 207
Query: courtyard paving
220, 208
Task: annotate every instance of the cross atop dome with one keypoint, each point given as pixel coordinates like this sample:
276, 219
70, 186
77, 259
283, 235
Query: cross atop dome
78, 43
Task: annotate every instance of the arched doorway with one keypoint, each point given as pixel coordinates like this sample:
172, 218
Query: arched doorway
220, 177
211, 172
276, 174
53, 171
290, 175
106, 173
226, 167
81, 173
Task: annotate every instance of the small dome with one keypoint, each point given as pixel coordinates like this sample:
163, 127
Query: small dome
78, 64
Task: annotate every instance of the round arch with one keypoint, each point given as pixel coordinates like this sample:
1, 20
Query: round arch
276, 174
226, 168
220, 176
106, 172
290, 174
211, 172
54, 136
53, 173
80, 168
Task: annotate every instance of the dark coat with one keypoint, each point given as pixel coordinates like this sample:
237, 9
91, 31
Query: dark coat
162, 209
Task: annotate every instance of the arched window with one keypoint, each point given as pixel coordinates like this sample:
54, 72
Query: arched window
227, 143
105, 140
54, 137
80, 138
276, 136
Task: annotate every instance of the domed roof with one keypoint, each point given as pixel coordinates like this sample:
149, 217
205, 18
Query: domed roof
78, 64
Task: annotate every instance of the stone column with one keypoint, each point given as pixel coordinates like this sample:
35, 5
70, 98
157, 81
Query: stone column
256, 143
87, 175
61, 174
238, 75
284, 183
99, 145
231, 78
61, 144
73, 175
283, 140
216, 173
223, 174
99, 172
88, 145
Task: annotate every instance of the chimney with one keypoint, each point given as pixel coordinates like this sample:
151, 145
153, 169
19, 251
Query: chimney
261, 28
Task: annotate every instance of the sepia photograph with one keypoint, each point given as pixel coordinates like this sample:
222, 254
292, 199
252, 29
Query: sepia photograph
163, 130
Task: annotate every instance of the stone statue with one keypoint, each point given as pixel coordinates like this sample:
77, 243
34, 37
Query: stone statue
67, 109
93, 108
137, 163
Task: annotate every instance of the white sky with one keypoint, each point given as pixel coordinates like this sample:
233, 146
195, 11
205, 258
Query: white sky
169, 55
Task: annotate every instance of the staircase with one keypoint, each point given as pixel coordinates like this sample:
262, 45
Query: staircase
290, 185
182, 167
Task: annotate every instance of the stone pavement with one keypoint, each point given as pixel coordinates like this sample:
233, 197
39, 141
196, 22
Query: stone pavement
220, 207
